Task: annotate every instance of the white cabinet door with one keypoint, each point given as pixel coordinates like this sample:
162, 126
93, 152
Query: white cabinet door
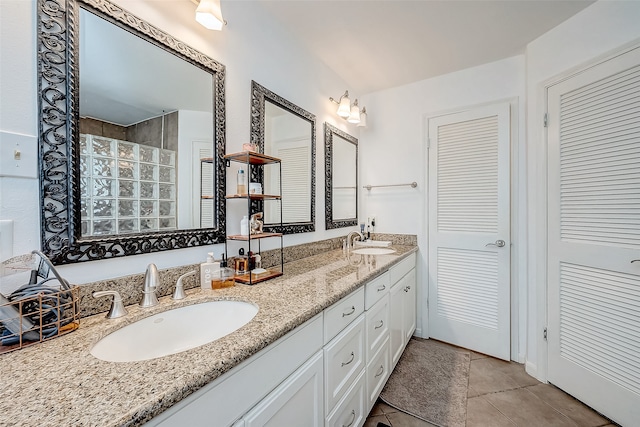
295, 402
402, 314
396, 320
409, 305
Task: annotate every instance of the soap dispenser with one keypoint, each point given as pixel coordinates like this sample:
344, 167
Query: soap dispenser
208, 270
225, 278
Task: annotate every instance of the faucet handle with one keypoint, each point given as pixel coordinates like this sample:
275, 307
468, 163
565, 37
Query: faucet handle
151, 282
179, 292
117, 308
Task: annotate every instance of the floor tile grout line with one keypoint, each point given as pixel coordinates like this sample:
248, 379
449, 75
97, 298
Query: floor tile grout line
501, 413
555, 409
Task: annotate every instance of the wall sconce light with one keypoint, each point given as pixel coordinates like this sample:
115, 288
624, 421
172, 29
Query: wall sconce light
351, 112
209, 14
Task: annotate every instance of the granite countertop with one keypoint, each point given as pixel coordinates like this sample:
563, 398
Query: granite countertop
59, 383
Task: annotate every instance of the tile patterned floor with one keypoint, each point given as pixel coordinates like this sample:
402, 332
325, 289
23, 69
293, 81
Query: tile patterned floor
502, 394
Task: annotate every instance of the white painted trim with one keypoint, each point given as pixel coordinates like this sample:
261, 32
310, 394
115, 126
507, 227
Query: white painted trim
531, 369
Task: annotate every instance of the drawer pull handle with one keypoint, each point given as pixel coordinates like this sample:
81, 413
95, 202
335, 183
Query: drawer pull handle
382, 288
380, 372
353, 418
635, 260
350, 360
380, 325
406, 289
353, 310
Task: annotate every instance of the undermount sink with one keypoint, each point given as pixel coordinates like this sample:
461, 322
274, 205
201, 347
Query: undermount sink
373, 251
174, 331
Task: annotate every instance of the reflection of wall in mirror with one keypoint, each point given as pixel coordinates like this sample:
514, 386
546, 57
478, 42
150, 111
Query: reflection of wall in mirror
343, 179
194, 140
288, 137
161, 131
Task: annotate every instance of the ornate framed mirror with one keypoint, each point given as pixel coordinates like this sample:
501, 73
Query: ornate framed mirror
281, 129
131, 135
341, 178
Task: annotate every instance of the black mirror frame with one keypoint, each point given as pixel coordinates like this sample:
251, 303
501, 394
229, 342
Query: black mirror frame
329, 132
58, 101
259, 95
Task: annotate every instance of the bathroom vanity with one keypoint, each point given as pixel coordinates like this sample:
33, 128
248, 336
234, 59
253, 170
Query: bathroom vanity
328, 371
321, 347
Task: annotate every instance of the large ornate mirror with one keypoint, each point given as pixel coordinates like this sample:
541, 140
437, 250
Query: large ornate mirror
282, 129
132, 126
341, 178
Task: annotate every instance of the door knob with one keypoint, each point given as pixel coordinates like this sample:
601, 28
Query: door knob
498, 243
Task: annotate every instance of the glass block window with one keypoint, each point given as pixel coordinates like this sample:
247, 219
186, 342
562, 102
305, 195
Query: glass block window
126, 187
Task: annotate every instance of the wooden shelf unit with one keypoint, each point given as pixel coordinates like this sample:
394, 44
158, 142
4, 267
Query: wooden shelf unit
252, 159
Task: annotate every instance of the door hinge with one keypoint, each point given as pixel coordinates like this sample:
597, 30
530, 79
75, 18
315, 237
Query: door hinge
428, 143
545, 120
544, 333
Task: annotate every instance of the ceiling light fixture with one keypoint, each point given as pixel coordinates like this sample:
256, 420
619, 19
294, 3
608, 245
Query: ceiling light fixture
209, 14
350, 112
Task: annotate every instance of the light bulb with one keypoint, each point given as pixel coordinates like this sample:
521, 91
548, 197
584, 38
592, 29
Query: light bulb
363, 118
344, 109
209, 14
354, 116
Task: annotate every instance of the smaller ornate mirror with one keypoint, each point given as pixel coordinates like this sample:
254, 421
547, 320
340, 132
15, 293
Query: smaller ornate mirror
341, 178
282, 129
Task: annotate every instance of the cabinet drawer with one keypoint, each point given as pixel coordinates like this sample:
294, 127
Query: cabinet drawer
351, 411
377, 326
343, 361
376, 289
339, 315
403, 267
295, 402
378, 371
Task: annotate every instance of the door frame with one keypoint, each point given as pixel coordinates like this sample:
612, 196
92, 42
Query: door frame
518, 225
538, 234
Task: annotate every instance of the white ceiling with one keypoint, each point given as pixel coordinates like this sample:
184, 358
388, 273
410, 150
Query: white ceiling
378, 44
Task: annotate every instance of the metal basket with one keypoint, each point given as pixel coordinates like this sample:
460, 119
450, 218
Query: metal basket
44, 307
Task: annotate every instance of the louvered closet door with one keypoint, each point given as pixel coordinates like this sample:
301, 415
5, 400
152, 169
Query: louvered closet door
594, 237
203, 184
469, 214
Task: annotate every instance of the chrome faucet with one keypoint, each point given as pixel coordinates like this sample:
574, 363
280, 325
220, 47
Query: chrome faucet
351, 236
151, 282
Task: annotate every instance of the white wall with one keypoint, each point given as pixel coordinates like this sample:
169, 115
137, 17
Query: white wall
597, 31
250, 46
392, 151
